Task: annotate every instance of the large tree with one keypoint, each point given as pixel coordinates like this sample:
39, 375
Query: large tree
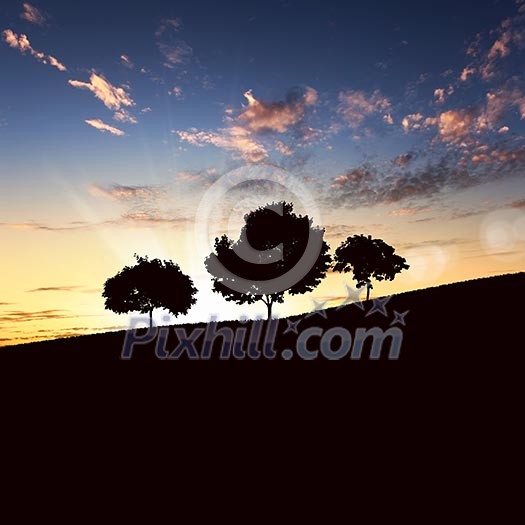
368, 259
277, 252
148, 285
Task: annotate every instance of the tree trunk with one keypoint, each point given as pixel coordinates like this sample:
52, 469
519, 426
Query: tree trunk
268, 302
151, 318
368, 291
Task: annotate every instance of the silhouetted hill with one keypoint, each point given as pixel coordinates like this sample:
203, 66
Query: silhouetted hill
460, 324
444, 416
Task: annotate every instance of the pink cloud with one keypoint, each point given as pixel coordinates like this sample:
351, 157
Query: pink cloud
356, 106
112, 97
24, 46
260, 116
235, 139
33, 15
412, 122
467, 72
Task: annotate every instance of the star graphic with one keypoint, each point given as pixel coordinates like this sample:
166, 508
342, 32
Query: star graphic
292, 326
379, 306
318, 310
352, 298
399, 318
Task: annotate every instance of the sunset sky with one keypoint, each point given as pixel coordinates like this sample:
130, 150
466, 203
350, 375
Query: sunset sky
403, 120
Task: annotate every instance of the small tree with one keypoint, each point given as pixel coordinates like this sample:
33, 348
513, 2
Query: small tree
276, 241
368, 258
148, 285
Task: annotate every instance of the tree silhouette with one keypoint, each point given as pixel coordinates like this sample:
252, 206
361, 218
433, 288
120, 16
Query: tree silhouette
368, 258
271, 247
148, 285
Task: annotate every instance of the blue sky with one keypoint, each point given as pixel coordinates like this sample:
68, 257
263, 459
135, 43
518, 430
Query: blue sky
403, 117
400, 50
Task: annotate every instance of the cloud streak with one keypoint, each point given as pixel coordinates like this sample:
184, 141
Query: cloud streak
22, 44
119, 192
103, 127
235, 138
55, 289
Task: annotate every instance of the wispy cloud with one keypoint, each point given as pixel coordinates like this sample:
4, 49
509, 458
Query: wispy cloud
356, 106
177, 91
507, 37
55, 289
370, 185
178, 53
20, 316
102, 126
111, 96
33, 15
126, 61
235, 138
123, 115
152, 218
168, 23
24, 46
119, 192
175, 50
31, 225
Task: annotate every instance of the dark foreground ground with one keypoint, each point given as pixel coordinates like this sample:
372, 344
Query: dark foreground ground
444, 417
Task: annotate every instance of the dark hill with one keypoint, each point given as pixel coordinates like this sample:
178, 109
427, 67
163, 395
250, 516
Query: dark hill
444, 416
468, 322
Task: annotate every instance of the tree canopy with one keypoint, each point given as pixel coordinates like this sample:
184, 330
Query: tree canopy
277, 252
148, 285
368, 259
